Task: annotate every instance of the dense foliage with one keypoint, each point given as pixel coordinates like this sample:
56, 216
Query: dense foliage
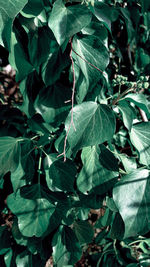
79, 136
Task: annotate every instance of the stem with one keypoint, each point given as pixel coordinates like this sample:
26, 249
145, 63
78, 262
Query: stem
87, 61
115, 101
143, 115
72, 105
39, 166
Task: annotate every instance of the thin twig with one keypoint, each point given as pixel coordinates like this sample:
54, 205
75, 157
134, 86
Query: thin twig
87, 61
72, 105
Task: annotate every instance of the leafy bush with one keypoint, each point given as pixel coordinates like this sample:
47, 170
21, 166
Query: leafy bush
79, 136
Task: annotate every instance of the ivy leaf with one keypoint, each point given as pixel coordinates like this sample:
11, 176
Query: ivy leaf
9, 154
94, 124
33, 213
140, 138
105, 14
131, 196
50, 103
66, 249
66, 21
127, 113
94, 51
93, 174
8, 11
140, 101
19, 59
63, 174
84, 232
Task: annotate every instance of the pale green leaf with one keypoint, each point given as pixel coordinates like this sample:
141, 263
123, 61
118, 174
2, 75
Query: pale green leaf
140, 101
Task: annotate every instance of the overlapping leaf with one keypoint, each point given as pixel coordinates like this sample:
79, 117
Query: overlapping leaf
8, 11
131, 196
94, 125
66, 21
93, 50
9, 154
33, 211
140, 138
93, 173
66, 249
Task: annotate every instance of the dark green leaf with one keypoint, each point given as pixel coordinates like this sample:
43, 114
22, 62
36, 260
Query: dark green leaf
8, 11
50, 103
34, 213
105, 14
93, 174
91, 49
131, 196
66, 249
127, 113
9, 154
84, 232
94, 124
66, 21
19, 59
63, 174
140, 101
140, 138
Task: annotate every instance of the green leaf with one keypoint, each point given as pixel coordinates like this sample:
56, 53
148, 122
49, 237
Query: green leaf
140, 138
50, 103
66, 21
91, 49
105, 14
16, 176
63, 174
9, 154
19, 59
93, 174
55, 61
33, 8
131, 196
94, 124
8, 11
127, 113
25, 259
33, 212
39, 40
66, 249
140, 101
84, 232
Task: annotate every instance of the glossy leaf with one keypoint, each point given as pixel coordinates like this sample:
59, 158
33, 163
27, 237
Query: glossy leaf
93, 174
66, 21
8, 11
63, 174
140, 101
131, 196
87, 116
9, 154
127, 113
91, 49
50, 103
140, 138
33, 213
105, 14
66, 249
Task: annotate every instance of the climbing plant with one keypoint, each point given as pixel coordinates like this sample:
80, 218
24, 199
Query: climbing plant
78, 139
